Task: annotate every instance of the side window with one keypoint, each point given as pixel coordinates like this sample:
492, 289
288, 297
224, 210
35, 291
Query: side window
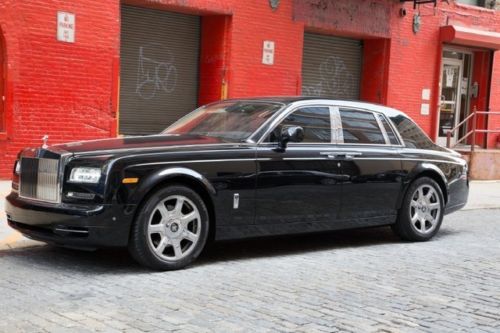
388, 129
314, 120
360, 127
412, 135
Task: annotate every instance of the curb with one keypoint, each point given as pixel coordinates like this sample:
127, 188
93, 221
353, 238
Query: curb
19, 243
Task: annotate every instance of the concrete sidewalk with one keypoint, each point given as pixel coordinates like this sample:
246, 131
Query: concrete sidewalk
483, 195
10, 238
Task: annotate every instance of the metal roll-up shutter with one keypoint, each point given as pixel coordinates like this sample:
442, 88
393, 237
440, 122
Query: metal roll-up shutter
331, 66
158, 70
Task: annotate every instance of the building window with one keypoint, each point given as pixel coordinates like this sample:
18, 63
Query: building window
490, 4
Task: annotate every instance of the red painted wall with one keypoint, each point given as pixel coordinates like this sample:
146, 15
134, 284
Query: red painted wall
70, 91
480, 74
60, 89
2, 83
375, 71
494, 121
214, 57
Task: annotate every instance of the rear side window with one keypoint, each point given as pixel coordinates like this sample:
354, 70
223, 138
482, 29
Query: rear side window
388, 129
360, 127
412, 135
314, 120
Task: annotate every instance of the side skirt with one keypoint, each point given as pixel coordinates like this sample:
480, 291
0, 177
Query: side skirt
247, 231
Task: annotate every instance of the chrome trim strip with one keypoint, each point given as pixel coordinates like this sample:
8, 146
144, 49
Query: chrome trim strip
306, 158
71, 230
382, 128
335, 148
298, 158
160, 149
374, 109
355, 158
337, 125
408, 159
205, 161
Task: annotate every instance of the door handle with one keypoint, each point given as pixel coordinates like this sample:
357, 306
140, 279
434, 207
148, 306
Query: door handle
352, 155
330, 155
344, 155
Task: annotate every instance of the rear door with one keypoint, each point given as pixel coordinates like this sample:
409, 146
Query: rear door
371, 165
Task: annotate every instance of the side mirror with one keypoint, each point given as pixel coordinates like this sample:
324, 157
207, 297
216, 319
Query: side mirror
290, 134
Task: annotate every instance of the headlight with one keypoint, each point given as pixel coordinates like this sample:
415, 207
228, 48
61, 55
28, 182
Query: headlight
85, 175
17, 167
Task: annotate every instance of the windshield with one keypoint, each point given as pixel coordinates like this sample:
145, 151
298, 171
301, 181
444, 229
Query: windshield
232, 121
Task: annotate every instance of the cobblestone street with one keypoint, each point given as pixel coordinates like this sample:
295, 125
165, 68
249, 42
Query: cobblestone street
364, 280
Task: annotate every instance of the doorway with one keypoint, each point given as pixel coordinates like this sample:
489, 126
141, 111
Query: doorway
456, 73
159, 67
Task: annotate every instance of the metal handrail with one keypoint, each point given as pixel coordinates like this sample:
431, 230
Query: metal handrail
472, 132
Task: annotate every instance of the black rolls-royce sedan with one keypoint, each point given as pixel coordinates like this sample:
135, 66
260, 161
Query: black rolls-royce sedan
235, 169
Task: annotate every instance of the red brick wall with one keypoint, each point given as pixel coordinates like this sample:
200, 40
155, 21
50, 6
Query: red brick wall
253, 23
494, 121
375, 72
354, 18
69, 91
414, 64
3, 68
415, 60
60, 89
214, 62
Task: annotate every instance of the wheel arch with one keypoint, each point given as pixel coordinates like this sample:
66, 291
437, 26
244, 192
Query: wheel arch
177, 176
426, 170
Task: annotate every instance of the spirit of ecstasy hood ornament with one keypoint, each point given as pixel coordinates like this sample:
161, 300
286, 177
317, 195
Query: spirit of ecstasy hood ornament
45, 138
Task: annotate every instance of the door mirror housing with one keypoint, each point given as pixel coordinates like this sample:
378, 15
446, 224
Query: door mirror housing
290, 134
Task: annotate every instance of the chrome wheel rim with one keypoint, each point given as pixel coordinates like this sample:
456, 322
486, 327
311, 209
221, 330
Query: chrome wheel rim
425, 209
174, 228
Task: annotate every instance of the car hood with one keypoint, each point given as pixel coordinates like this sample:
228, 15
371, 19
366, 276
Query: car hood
137, 143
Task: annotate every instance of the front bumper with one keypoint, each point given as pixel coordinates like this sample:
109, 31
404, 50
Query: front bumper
74, 225
458, 194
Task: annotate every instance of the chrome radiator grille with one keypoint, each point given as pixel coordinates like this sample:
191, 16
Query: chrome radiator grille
39, 179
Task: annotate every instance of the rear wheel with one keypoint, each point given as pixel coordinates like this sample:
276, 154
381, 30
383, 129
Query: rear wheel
422, 211
170, 230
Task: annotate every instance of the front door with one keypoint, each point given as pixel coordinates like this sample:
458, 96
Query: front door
451, 93
299, 189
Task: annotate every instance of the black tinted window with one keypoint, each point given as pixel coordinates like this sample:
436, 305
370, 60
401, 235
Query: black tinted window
360, 127
412, 135
314, 120
388, 129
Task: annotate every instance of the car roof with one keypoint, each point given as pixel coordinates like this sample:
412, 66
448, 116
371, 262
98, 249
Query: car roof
307, 100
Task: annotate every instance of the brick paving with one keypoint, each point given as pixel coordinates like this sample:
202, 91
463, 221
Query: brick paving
360, 281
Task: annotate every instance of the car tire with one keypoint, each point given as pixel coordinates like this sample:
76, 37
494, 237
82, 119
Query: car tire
421, 212
170, 229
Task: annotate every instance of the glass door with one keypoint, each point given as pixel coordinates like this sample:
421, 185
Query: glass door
449, 110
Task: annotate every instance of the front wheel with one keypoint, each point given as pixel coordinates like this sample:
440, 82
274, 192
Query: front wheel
422, 211
170, 230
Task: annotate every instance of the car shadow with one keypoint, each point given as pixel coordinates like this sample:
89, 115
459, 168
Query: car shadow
296, 244
118, 261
